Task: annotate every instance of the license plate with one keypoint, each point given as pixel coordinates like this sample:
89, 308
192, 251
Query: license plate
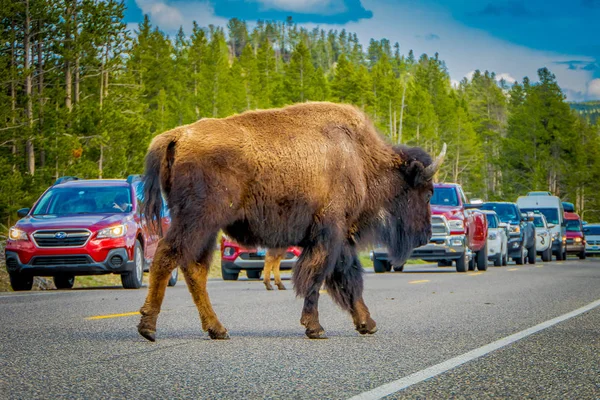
261, 252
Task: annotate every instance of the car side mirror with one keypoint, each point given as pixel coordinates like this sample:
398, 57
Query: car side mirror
23, 212
468, 206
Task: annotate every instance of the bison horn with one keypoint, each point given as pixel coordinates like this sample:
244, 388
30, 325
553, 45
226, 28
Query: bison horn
430, 170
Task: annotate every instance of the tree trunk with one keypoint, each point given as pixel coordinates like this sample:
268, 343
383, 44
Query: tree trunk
29, 149
13, 94
40, 82
402, 113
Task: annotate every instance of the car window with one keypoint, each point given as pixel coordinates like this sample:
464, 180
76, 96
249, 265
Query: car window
573, 225
492, 220
506, 212
591, 230
538, 222
84, 200
551, 214
444, 196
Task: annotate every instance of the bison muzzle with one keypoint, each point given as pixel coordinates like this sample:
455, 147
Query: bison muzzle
314, 175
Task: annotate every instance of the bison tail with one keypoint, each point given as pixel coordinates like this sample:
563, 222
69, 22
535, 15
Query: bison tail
157, 178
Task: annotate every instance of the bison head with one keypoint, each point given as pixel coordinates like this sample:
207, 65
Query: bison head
407, 219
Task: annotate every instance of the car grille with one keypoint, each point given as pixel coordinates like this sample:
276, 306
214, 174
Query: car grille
73, 238
60, 260
570, 241
439, 226
593, 242
11, 263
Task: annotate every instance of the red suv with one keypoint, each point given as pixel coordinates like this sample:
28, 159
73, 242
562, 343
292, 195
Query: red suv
83, 227
235, 258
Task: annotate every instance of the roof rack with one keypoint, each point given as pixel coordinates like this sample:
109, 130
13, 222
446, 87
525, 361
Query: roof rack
568, 207
133, 178
64, 179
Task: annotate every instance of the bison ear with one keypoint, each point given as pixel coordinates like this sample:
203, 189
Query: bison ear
414, 173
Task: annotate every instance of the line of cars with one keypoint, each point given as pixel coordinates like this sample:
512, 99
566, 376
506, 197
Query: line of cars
469, 234
90, 227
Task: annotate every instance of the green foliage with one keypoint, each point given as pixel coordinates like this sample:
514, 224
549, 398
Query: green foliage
99, 95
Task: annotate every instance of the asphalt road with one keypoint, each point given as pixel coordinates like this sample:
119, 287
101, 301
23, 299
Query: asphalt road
50, 348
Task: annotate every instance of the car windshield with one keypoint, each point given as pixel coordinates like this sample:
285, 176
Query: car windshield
591, 230
506, 212
551, 214
492, 220
84, 200
444, 196
538, 222
573, 225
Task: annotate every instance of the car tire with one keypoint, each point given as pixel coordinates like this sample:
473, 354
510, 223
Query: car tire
498, 260
482, 258
134, 279
461, 263
253, 273
547, 254
560, 254
173, 278
582, 255
64, 281
379, 266
519, 260
229, 275
531, 254
20, 282
399, 268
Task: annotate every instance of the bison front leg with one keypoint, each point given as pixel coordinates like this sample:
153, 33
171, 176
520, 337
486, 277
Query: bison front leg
273, 263
345, 286
164, 262
309, 274
196, 275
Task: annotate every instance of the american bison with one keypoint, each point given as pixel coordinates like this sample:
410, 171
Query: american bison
313, 175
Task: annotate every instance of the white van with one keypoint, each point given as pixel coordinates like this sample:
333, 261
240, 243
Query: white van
552, 208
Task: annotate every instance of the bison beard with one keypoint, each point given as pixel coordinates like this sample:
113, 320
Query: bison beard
314, 175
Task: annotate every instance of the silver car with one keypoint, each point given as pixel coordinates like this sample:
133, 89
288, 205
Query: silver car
592, 238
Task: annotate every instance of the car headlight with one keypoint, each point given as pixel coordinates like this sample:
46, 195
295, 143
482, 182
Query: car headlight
116, 231
228, 251
578, 239
456, 224
515, 229
17, 234
554, 235
493, 236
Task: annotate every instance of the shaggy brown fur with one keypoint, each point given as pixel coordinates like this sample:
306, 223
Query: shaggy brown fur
272, 263
313, 175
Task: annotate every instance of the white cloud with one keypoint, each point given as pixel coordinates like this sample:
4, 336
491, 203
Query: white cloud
470, 74
169, 17
463, 49
161, 14
593, 90
506, 76
326, 7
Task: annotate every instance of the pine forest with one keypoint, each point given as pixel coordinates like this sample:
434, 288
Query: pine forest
83, 96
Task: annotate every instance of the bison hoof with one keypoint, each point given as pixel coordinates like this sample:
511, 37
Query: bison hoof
280, 286
367, 328
317, 334
148, 334
268, 286
224, 335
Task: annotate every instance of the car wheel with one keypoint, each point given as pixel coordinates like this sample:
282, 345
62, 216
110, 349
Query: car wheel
64, 281
174, 276
379, 266
20, 282
133, 279
253, 273
531, 254
498, 260
560, 254
461, 263
399, 268
482, 258
519, 260
505, 259
547, 254
229, 275
582, 255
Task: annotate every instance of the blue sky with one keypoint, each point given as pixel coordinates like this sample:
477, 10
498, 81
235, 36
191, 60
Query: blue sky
513, 38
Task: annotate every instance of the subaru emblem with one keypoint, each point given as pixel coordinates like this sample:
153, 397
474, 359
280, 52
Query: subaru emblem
60, 235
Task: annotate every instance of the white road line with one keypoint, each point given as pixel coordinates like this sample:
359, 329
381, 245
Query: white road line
420, 376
